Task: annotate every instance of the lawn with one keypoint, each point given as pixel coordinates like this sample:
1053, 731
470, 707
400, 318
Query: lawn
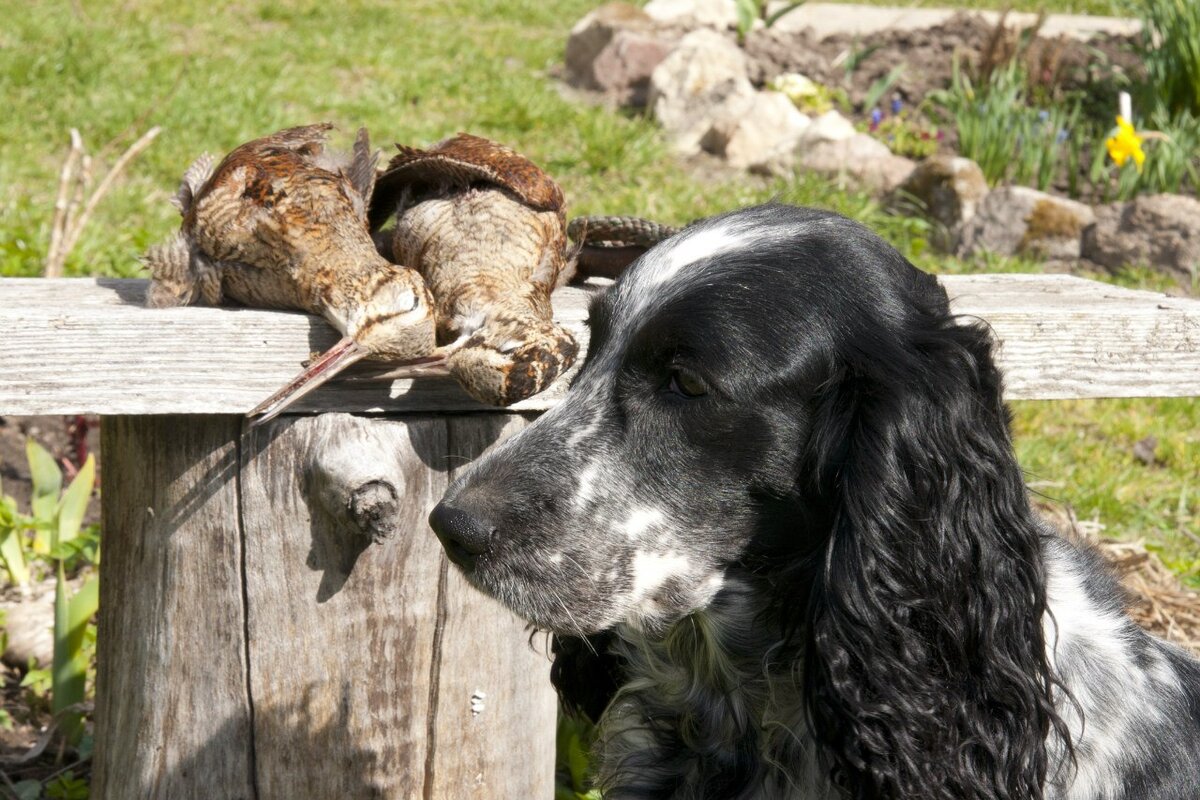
215, 75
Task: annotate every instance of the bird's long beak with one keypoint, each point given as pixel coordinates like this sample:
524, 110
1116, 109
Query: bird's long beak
333, 361
432, 366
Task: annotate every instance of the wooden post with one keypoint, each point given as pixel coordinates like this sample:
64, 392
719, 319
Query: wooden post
256, 643
172, 706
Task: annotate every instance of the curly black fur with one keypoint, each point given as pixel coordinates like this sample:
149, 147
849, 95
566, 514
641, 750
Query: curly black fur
779, 531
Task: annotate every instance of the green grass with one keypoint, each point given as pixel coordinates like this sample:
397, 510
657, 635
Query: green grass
215, 74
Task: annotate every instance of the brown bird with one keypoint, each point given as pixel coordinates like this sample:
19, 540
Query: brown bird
282, 223
486, 228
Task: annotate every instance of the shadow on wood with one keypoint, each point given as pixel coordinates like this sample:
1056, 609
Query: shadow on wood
256, 644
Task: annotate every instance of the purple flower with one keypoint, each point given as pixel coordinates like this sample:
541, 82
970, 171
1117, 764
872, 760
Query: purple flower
1043, 115
876, 118
896, 105
1061, 136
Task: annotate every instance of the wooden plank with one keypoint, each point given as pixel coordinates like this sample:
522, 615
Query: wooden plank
172, 709
490, 674
87, 345
341, 631
1062, 336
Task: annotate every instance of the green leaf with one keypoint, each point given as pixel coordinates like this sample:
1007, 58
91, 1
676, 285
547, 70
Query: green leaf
47, 479
67, 787
75, 501
577, 761
747, 12
71, 616
879, 88
14, 557
36, 679
28, 789
789, 8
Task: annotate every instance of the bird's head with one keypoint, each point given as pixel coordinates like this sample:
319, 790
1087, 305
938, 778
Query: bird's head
506, 361
388, 316
393, 320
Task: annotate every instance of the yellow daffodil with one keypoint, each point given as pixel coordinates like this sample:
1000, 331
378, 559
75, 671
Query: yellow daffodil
1125, 144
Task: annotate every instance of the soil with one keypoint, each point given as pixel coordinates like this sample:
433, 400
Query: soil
1059, 65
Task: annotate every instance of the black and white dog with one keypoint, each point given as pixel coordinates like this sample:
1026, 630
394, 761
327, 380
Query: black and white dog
779, 533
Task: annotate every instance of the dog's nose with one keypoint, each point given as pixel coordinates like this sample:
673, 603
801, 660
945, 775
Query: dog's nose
464, 535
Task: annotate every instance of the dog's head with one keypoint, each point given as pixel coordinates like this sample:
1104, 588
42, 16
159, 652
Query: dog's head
693, 424
778, 398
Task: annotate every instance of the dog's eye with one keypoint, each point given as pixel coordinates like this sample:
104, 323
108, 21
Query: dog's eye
686, 383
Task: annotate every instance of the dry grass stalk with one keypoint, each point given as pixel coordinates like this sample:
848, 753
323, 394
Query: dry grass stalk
73, 183
1156, 598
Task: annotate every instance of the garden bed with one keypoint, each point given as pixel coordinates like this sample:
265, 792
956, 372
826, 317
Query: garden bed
1093, 139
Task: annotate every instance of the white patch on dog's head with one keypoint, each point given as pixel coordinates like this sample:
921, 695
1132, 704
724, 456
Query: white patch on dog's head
640, 521
586, 486
666, 261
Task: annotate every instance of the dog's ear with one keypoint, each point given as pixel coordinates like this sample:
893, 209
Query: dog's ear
925, 668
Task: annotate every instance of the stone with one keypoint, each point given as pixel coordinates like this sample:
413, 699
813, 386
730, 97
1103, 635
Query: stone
614, 49
701, 80
1018, 220
623, 69
862, 157
29, 625
691, 14
1161, 231
948, 190
829, 127
762, 135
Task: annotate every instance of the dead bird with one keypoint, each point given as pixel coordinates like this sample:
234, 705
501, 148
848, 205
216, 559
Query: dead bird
282, 223
486, 229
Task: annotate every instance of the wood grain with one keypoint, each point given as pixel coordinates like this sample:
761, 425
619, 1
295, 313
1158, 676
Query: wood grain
341, 631
494, 732
87, 346
172, 709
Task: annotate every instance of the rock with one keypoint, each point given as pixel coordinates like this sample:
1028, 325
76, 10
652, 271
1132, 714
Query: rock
614, 49
1146, 451
862, 157
1015, 220
762, 135
948, 189
703, 79
692, 14
29, 622
1161, 231
623, 68
829, 127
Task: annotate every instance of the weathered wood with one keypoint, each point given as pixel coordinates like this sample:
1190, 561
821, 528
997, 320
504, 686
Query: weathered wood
1062, 337
490, 673
363, 658
341, 631
87, 345
172, 710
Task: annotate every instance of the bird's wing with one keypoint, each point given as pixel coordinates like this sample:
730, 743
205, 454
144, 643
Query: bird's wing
193, 181
361, 170
457, 163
